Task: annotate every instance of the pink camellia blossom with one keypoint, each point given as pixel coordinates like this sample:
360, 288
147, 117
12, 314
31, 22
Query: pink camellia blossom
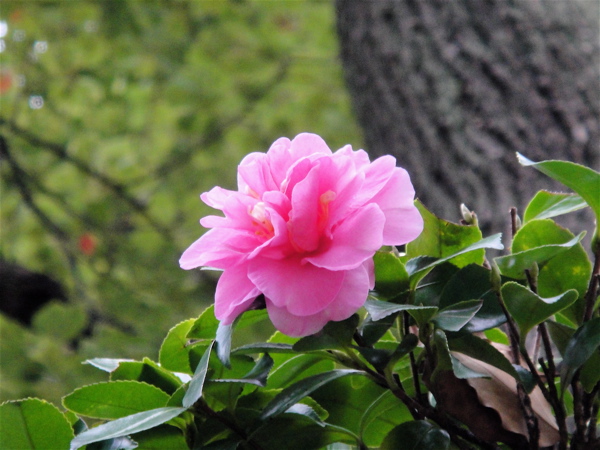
302, 229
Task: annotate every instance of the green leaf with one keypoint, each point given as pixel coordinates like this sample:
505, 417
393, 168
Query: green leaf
417, 435
473, 282
514, 265
294, 393
583, 180
33, 424
529, 309
569, 269
391, 277
384, 405
551, 204
582, 345
264, 347
307, 411
287, 371
454, 317
223, 341
146, 371
443, 239
205, 326
194, 391
378, 309
114, 399
372, 330
106, 364
257, 376
481, 350
334, 335
353, 403
174, 351
299, 432
162, 437
418, 267
126, 425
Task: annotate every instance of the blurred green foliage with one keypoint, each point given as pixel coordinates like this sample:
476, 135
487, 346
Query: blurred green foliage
117, 115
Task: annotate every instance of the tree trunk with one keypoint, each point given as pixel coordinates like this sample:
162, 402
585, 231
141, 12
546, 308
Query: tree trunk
453, 88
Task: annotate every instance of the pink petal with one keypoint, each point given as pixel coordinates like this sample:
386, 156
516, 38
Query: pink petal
234, 295
216, 197
254, 175
302, 289
356, 239
402, 225
306, 144
303, 224
352, 294
292, 325
219, 247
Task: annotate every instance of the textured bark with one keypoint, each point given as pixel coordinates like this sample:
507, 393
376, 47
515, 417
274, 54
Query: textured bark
453, 88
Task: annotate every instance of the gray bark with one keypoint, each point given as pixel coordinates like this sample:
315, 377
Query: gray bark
453, 88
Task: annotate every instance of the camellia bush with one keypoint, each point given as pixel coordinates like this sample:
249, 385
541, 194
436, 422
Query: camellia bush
392, 329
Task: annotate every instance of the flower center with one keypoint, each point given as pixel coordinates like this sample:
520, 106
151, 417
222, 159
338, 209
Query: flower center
323, 216
262, 225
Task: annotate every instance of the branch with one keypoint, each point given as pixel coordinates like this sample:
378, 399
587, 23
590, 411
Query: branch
117, 188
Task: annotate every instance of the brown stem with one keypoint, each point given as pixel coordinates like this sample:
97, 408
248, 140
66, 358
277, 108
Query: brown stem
557, 405
592, 292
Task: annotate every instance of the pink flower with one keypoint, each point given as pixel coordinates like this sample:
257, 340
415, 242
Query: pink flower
302, 229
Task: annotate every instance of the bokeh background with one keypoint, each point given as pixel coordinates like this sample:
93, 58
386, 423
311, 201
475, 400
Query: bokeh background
114, 117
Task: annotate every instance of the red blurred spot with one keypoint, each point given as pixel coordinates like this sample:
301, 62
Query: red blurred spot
5, 82
16, 15
87, 244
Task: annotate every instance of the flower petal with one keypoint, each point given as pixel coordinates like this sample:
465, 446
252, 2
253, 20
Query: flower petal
302, 289
352, 295
234, 295
292, 325
356, 239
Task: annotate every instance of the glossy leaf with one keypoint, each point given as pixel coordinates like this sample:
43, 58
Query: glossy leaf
582, 345
417, 435
445, 240
194, 391
514, 265
264, 347
391, 277
257, 376
174, 352
569, 269
114, 399
33, 424
379, 309
299, 432
223, 341
146, 371
290, 370
583, 180
294, 393
454, 317
551, 204
356, 404
473, 282
162, 437
126, 426
205, 326
529, 309
417, 267
372, 330
106, 364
